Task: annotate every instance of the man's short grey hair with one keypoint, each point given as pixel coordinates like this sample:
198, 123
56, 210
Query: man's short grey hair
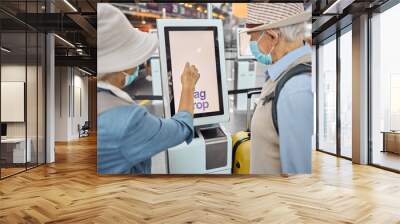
293, 33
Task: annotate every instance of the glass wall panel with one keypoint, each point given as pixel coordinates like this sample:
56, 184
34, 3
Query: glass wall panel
385, 89
346, 94
31, 98
13, 104
41, 98
22, 89
327, 96
32, 86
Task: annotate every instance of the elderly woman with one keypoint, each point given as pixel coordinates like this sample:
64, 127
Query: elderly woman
128, 135
282, 123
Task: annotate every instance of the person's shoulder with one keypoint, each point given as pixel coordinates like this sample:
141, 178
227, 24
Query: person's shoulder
124, 113
296, 84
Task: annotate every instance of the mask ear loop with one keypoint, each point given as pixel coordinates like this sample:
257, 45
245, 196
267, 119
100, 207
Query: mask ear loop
261, 36
263, 33
127, 74
273, 47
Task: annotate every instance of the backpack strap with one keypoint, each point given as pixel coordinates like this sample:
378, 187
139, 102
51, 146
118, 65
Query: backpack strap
300, 69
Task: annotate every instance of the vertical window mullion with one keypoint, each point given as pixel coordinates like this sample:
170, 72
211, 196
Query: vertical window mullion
317, 108
369, 81
0, 92
338, 90
26, 86
37, 90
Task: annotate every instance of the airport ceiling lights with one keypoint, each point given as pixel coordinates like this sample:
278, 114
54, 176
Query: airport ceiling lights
153, 11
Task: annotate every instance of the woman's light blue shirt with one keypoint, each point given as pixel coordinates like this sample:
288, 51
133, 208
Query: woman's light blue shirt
128, 136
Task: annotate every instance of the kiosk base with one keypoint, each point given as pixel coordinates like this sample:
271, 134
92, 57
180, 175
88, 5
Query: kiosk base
210, 152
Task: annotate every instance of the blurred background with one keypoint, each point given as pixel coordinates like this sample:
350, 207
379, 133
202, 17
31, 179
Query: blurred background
49, 47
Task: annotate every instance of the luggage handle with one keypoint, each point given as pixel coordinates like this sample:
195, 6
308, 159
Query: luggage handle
253, 92
248, 116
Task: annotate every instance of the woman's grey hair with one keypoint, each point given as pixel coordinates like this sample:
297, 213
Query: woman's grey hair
293, 32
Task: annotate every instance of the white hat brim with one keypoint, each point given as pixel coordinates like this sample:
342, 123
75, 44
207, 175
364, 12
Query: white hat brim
130, 56
300, 18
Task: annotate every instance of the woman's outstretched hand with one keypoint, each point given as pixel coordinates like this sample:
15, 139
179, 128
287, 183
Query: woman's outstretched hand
189, 78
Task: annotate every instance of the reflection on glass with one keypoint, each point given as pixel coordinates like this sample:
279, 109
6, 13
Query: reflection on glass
31, 100
13, 86
41, 98
346, 94
22, 91
327, 97
385, 89
395, 101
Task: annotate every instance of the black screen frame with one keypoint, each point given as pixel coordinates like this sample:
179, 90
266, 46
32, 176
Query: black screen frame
214, 29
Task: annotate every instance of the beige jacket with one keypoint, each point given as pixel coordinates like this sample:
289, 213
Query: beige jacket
264, 153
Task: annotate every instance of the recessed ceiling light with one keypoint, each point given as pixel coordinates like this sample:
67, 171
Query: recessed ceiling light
65, 41
338, 6
5, 50
84, 71
70, 5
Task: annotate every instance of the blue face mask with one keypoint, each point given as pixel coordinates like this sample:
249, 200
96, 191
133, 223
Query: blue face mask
260, 57
130, 78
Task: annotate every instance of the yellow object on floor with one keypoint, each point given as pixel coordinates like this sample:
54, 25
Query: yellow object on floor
241, 153
144, 102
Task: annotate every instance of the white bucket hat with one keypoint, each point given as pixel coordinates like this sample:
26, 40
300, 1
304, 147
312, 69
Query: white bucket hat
119, 45
274, 15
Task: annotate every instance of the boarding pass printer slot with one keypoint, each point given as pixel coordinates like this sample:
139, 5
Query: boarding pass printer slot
216, 147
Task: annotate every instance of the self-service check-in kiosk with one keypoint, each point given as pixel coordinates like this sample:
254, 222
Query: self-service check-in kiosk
245, 68
201, 43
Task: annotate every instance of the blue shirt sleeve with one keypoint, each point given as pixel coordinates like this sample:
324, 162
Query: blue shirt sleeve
150, 134
295, 122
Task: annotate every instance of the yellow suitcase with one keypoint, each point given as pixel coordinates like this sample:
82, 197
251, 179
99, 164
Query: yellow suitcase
241, 153
241, 142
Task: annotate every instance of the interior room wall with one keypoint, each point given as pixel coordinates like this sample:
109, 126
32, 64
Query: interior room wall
70, 83
16, 73
92, 100
30, 128
61, 103
80, 109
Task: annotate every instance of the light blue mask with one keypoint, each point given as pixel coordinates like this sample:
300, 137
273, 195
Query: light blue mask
130, 78
260, 57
